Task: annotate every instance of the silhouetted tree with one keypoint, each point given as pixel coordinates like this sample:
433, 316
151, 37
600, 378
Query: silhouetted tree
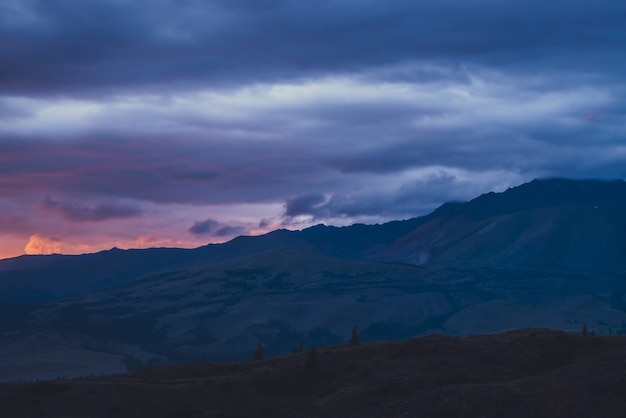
585, 331
355, 339
311, 361
258, 355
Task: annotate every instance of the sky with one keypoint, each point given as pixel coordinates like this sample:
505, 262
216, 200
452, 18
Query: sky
158, 123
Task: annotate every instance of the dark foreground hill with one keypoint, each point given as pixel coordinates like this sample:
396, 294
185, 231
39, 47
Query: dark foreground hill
531, 372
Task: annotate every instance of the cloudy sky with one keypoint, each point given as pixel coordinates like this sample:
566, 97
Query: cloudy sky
178, 123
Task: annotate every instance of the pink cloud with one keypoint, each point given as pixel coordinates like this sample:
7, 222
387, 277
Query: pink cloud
41, 244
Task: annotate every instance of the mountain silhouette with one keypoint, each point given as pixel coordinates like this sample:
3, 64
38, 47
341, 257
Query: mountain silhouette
549, 253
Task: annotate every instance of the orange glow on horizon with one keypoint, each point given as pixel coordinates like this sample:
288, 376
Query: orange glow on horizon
43, 244
11, 247
7, 255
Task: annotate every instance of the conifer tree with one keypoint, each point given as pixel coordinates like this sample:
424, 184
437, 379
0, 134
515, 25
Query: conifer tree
311, 361
258, 355
585, 332
355, 339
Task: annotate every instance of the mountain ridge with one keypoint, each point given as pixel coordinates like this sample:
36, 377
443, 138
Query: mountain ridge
360, 240
553, 263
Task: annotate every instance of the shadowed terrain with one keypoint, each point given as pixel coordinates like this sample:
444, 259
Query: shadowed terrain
530, 372
549, 253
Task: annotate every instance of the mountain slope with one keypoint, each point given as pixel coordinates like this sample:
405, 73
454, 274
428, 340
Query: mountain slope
556, 224
546, 254
41, 278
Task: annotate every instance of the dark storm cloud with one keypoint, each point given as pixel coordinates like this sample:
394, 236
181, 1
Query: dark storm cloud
434, 189
304, 204
216, 229
411, 198
61, 46
337, 206
229, 230
75, 212
204, 227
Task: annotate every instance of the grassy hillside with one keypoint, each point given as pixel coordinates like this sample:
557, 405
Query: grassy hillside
531, 372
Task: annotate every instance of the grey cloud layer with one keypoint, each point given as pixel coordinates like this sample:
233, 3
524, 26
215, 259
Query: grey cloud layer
154, 170
64, 46
75, 212
418, 196
336, 109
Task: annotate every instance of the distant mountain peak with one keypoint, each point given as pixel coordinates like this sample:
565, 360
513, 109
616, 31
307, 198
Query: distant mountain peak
550, 192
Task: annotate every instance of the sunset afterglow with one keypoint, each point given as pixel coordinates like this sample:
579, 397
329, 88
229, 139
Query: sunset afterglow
183, 123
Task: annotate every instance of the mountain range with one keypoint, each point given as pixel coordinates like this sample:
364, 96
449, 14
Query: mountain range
549, 253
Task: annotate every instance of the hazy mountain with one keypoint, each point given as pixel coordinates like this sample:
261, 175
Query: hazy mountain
549, 253
556, 224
